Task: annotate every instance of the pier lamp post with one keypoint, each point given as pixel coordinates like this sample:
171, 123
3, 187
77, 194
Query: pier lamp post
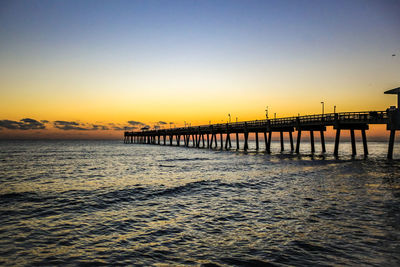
266, 112
322, 107
229, 115
236, 119
185, 124
334, 109
275, 115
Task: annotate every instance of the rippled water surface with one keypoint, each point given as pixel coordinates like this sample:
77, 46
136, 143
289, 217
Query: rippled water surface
105, 202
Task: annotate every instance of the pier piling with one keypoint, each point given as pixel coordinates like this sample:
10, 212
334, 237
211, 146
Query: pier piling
391, 144
291, 141
269, 142
353, 143
256, 135
337, 139
322, 141
312, 141
364, 139
298, 141
246, 136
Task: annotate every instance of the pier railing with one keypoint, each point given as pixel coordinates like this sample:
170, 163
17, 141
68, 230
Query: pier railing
328, 119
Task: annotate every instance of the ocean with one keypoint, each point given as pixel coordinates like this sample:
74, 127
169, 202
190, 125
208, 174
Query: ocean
109, 203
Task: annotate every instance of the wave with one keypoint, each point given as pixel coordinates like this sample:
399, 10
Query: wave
186, 159
23, 197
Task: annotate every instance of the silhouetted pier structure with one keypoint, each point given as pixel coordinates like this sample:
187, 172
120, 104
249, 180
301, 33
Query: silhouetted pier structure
219, 135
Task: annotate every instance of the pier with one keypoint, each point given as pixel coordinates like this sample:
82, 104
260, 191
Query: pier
219, 135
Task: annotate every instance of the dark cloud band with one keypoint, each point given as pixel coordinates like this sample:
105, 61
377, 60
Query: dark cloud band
77, 126
136, 123
69, 125
31, 124
24, 124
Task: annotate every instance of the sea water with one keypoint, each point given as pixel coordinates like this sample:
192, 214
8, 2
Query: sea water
109, 203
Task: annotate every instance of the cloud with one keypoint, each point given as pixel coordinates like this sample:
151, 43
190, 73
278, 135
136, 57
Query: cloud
136, 123
13, 125
73, 125
24, 124
28, 124
122, 127
69, 125
161, 122
99, 127
31, 124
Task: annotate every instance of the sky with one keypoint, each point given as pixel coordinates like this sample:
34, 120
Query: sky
88, 69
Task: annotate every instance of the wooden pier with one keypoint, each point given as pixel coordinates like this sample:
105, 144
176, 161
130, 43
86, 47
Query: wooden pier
219, 135
212, 136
